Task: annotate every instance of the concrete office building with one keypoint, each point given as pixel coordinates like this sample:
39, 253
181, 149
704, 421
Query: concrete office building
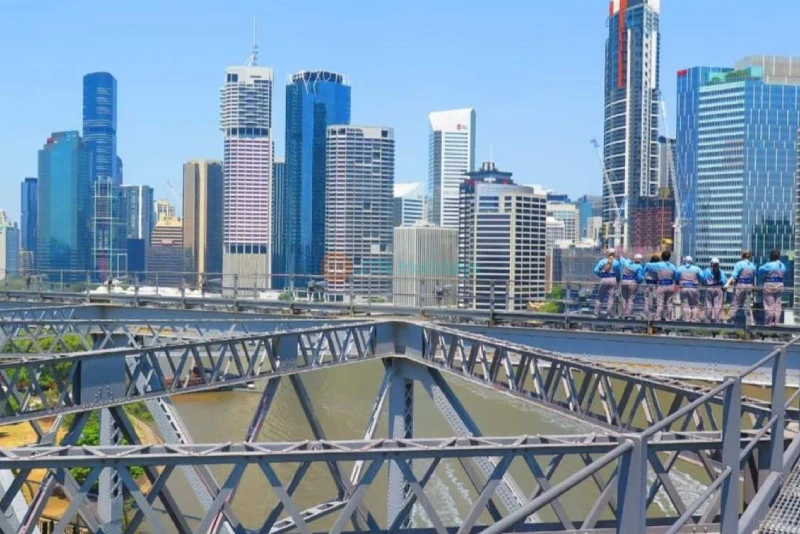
202, 218
451, 154
425, 262
409, 204
358, 209
502, 232
9, 247
568, 214
246, 124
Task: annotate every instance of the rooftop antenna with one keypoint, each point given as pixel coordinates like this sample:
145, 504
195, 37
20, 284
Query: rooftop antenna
252, 60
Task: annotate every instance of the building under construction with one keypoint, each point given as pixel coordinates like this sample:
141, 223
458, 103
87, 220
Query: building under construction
653, 223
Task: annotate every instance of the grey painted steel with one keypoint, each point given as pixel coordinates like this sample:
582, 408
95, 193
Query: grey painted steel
109, 505
647, 425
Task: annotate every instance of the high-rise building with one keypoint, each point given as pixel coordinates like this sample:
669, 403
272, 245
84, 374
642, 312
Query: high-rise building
667, 162
358, 209
165, 257
314, 101
451, 155
100, 125
736, 137
280, 227
109, 250
501, 241
569, 215
797, 234
9, 247
164, 210
555, 232
425, 265
409, 204
138, 211
630, 148
246, 124
29, 208
588, 206
63, 239
654, 220
574, 263
202, 217
594, 229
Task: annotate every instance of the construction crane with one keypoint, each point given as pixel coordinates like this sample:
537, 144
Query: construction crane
680, 221
619, 217
178, 198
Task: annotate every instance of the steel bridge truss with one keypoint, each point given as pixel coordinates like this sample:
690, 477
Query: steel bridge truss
621, 478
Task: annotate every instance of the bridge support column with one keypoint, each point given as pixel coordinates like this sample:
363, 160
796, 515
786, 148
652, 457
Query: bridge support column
109, 505
632, 489
401, 426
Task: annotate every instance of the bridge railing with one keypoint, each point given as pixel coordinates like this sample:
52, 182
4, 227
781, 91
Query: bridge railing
445, 291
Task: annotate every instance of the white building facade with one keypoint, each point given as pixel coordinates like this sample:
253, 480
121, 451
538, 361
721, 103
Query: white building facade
246, 123
409, 204
451, 155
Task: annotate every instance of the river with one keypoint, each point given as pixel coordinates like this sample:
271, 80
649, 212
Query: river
342, 398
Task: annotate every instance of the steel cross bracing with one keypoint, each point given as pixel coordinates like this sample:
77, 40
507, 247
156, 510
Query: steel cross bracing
649, 427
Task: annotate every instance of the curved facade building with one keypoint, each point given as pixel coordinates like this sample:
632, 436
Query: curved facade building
314, 101
630, 131
100, 124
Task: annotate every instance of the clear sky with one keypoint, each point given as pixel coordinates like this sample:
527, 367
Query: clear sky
532, 69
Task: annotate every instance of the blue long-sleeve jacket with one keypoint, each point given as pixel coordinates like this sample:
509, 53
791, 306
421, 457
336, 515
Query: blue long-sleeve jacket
632, 271
708, 278
614, 271
689, 276
744, 272
774, 272
664, 272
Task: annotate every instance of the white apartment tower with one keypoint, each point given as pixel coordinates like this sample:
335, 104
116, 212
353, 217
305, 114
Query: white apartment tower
246, 123
451, 155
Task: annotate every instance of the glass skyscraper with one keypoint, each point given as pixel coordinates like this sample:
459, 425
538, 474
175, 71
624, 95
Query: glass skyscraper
736, 144
100, 125
29, 208
630, 148
63, 241
314, 100
279, 224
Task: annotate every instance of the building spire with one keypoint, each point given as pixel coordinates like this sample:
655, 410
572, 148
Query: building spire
252, 60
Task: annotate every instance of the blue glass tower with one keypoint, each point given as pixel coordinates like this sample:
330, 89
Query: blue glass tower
100, 125
29, 207
314, 100
63, 240
737, 156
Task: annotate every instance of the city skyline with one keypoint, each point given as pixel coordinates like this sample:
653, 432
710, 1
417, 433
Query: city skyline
516, 130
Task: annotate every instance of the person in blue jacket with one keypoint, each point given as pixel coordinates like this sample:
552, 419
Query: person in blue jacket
772, 274
632, 276
689, 277
743, 279
650, 285
608, 270
665, 274
714, 281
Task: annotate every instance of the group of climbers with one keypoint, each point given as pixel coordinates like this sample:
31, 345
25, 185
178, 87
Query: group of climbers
662, 280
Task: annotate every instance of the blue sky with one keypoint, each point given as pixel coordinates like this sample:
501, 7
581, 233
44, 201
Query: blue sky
533, 69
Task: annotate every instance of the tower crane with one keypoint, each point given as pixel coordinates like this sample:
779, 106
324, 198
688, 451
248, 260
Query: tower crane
619, 218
